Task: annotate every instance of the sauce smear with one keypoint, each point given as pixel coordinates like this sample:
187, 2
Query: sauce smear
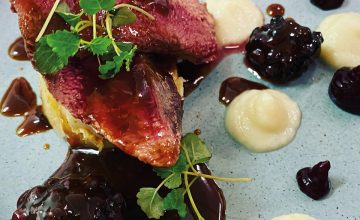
274, 10
35, 122
17, 50
234, 86
18, 99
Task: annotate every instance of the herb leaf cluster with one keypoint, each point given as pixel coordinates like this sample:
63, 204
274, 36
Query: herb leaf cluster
175, 178
54, 50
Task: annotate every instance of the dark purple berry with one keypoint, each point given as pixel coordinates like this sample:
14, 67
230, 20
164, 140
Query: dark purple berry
344, 89
314, 181
327, 4
282, 50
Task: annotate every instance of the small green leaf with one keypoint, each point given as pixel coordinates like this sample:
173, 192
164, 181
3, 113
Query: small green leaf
63, 7
107, 70
64, 43
196, 148
123, 16
71, 19
175, 201
99, 45
150, 202
177, 170
63, 11
46, 60
93, 6
112, 67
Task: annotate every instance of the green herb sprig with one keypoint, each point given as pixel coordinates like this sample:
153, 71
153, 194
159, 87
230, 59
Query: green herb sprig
54, 50
176, 178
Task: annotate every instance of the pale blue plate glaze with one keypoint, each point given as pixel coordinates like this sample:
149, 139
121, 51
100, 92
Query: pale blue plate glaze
326, 133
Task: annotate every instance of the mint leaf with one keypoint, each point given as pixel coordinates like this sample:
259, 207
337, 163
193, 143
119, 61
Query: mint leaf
64, 43
99, 45
196, 148
123, 16
93, 6
150, 202
46, 60
175, 201
177, 169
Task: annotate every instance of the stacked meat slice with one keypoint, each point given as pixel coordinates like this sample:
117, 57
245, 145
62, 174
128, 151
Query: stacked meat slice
139, 111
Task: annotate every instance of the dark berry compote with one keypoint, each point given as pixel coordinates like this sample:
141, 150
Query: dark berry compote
327, 4
314, 181
344, 89
282, 50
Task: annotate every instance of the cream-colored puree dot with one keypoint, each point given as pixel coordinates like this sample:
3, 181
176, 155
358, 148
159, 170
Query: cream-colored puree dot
294, 216
341, 34
268, 112
234, 19
263, 120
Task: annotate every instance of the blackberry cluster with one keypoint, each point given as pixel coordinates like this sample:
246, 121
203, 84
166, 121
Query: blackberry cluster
282, 50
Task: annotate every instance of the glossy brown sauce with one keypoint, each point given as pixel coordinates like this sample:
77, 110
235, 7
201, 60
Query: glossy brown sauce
87, 184
274, 10
34, 122
18, 99
194, 74
17, 50
234, 86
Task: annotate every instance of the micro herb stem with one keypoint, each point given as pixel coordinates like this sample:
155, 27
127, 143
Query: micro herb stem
108, 23
191, 183
94, 26
47, 21
188, 160
158, 188
84, 42
217, 177
81, 23
135, 8
187, 187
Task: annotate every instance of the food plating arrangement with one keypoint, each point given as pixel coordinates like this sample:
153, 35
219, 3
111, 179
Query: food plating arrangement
180, 109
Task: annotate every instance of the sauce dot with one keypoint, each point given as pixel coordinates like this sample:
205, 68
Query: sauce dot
17, 50
274, 10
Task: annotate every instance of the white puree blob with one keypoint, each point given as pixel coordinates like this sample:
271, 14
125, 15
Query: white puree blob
263, 120
294, 216
234, 20
341, 34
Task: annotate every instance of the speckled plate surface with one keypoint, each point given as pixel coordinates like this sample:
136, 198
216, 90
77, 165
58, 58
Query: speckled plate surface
326, 132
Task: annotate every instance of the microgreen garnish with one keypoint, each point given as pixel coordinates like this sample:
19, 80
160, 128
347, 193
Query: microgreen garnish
63, 11
94, 6
54, 50
176, 179
123, 16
